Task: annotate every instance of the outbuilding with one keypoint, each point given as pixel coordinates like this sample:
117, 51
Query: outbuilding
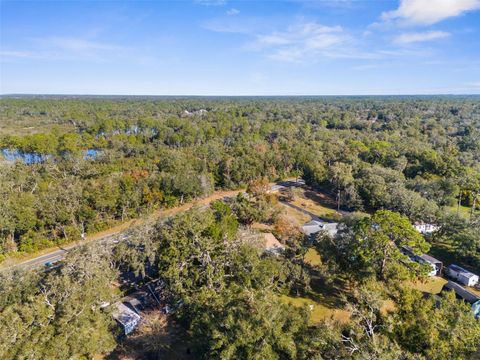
126, 317
461, 275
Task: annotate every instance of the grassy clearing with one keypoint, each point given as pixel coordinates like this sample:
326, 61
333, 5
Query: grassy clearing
314, 202
297, 215
319, 312
463, 211
432, 285
312, 257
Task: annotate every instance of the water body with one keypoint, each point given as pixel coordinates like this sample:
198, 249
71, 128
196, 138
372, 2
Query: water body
12, 155
27, 158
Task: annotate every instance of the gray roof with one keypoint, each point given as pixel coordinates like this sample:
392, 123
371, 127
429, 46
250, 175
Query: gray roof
461, 270
425, 257
430, 259
461, 291
125, 316
314, 226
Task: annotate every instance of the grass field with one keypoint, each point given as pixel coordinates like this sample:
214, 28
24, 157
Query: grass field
314, 202
432, 285
312, 257
319, 311
463, 211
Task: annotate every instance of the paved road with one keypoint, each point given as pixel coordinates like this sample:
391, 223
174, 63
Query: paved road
57, 255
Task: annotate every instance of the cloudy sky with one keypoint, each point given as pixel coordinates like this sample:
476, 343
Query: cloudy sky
223, 47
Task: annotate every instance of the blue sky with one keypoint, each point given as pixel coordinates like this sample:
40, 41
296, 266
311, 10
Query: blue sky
223, 47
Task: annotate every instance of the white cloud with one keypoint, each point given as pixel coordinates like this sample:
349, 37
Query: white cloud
65, 48
76, 45
233, 12
301, 41
427, 12
4, 54
211, 2
413, 37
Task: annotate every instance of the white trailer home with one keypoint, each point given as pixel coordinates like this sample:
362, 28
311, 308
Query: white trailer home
463, 276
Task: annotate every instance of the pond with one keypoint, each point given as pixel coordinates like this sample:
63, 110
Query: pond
29, 158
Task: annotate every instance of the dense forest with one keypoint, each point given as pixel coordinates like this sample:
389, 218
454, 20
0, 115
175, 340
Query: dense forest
83, 164
70, 167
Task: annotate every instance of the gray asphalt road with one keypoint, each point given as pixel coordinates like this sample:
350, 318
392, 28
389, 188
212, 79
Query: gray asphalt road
57, 255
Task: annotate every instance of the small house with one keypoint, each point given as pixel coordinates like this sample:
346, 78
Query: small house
425, 228
461, 275
126, 317
436, 265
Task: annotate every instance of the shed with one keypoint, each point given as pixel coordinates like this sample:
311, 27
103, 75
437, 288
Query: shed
126, 317
463, 276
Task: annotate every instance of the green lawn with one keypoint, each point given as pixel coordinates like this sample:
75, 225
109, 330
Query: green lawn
464, 211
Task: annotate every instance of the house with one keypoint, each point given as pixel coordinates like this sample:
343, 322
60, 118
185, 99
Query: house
425, 228
465, 295
463, 276
436, 265
194, 112
272, 245
126, 317
314, 226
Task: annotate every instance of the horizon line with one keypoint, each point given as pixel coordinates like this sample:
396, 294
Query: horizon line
241, 95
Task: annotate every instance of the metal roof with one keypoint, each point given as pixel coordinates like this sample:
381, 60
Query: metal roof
461, 270
461, 291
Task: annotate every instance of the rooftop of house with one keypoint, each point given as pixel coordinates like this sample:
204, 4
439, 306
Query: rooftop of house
461, 291
461, 270
425, 257
314, 226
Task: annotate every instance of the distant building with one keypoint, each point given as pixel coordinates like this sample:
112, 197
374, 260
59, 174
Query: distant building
436, 265
463, 276
425, 228
126, 317
314, 226
195, 112
464, 294
272, 245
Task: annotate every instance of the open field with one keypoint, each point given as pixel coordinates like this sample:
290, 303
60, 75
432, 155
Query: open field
312, 257
319, 312
432, 285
